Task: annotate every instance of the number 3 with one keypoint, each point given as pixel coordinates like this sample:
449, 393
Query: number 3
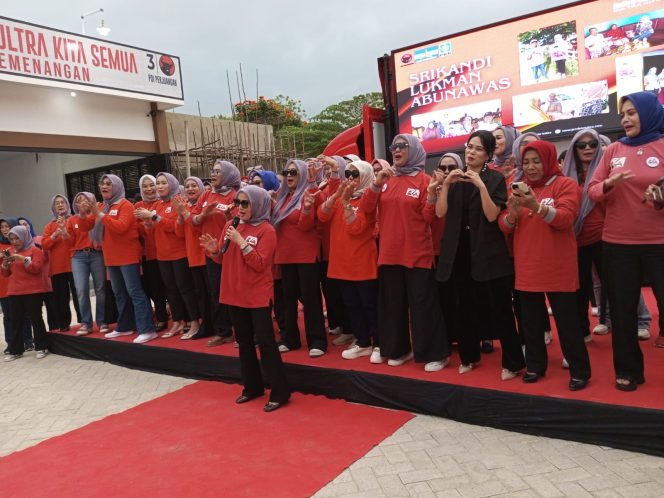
151, 61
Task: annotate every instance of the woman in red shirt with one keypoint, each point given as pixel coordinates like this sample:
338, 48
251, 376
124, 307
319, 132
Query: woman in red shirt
298, 254
114, 226
152, 282
633, 233
542, 220
22, 265
247, 289
56, 243
353, 258
193, 189
213, 209
406, 281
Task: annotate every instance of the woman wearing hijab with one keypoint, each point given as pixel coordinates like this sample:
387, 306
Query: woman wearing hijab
152, 282
87, 261
213, 209
542, 221
247, 289
193, 189
22, 265
633, 233
406, 281
114, 226
353, 258
265, 179
56, 243
172, 256
298, 254
474, 258
503, 157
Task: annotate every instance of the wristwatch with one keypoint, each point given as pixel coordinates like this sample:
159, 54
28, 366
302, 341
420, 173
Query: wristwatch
155, 217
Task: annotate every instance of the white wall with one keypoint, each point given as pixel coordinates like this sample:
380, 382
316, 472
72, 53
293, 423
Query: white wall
29, 180
36, 109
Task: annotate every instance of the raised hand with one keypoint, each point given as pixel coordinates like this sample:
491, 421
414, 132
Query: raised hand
209, 243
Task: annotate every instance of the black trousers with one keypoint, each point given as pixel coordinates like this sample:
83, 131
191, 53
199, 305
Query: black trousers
565, 314
361, 301
409, 296
587, 255
155, 289
199, 279
302, 280
29, 305
221, 320
337, 316
625, 267
278, 302
542, 312
256, 323
180, 289
62, 283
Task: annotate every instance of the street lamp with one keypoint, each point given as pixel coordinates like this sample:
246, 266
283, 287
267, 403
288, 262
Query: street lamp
101, 29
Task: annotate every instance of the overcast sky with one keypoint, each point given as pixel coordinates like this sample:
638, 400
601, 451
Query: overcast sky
320, 52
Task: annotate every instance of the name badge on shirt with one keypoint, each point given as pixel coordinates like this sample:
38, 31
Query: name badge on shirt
384, 187
653, 162
618, 162
548, 201
413, 192
251, 240
76, 225
168, 209
222, 207
113, 212
205, 204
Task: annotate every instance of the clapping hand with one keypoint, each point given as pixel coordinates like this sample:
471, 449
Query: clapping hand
209, 243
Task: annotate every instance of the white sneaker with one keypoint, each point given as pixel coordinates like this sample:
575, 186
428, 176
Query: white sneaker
549, 310
335, 331
342, 339
83, 330
145, 337
315, 353
12, 357
435, 366
601, 329
594, 311
115, 333
41, 354
547, 337
565, 364
588, 338
376, 358
283, 348
400, 361
644, 334
355, 351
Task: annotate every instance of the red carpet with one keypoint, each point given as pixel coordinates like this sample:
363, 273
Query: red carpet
197, 442
487, 375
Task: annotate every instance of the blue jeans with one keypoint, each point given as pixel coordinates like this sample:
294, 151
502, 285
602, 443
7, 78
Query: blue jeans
538, 72
642, 314
84, 264
134, 310
7, 324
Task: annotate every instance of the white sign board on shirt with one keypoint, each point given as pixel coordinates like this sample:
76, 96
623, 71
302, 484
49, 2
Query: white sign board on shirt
50, 57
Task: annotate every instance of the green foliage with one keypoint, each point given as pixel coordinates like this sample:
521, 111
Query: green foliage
279, 112
545, 35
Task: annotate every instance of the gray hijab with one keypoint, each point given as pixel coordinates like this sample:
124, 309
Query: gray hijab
417, 157
173, 186
511, 134
24, 236
516, 150
231, 179
279, 214
260, 201
55, 214
117, 194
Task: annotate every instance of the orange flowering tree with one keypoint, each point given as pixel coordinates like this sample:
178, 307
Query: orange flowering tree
278, 112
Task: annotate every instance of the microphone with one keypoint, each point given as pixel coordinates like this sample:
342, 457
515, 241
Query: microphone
227, 242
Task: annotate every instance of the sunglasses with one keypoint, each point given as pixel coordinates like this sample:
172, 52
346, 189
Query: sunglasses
449, 167
354, 173
289, 172
243, 204
582, 145
398, 146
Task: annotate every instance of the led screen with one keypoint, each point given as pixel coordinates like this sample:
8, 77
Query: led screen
552, 73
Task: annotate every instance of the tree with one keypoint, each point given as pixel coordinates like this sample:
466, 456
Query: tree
347, 113
279, 112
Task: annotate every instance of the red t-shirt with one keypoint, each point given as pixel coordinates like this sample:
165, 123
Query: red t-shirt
298, 241
246, 279
78, 236
22, 279
170, 246
353, 250
545, 258
629, 220
191, 234
149, 244
58, 250
405, 221
215, 222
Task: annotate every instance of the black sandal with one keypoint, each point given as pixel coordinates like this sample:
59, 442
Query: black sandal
628, 387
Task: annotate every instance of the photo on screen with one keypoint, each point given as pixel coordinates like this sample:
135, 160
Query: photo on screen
548, 53
653, 74
622, 36
555, 104
457, 121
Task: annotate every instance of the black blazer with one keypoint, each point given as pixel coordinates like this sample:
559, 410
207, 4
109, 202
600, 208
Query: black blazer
490, 258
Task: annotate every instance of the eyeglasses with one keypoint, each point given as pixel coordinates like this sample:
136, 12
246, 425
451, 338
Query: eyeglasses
449, 167
352, 172
289, 172
238, 203
215, 172
582, 145
398, 146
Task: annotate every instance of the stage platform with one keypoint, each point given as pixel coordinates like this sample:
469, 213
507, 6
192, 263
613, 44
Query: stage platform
599, 414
